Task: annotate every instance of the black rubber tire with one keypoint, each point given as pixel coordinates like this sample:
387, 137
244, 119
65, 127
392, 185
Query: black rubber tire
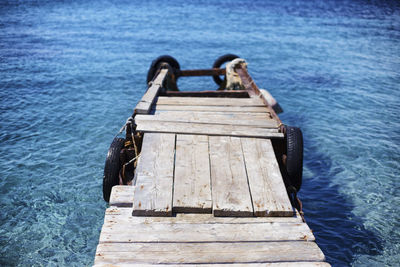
156, 63
112, 167
219, 62
294, 153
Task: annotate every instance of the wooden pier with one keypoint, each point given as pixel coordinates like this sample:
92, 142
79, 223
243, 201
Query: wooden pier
207, 189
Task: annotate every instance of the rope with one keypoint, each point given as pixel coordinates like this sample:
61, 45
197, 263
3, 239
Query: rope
131, 123
296, 202
133, 138
128, 121
132, 160
122, 173
300, 204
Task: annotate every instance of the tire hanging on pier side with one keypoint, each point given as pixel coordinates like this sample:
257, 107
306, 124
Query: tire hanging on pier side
294, 156
219, 62
112, 167
155, 64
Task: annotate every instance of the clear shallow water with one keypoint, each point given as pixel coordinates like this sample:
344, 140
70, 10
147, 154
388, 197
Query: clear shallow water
71, 73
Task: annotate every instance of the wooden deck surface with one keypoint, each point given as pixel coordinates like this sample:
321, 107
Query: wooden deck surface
207, 191
195, 238
239, 176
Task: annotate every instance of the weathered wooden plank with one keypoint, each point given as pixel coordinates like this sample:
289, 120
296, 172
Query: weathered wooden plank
204, 232
230, 190
274, 264
124, 215
266, 184
148, 126
210, 101
144, 105
222, 119
198, 253
212, 108
154, 176
253, 89
192, 191
122, 196
230, 115
218, 93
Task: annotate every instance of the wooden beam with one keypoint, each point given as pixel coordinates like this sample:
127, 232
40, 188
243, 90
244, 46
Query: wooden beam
219, 119
202, 72
122, 196
144, 105
268, 191
154, 176
205, 114
212, 108
210, 101
270, 264
201, 253
149, 126
219, 93
192, 190
230, 189
199, 232
114, 215
254, 91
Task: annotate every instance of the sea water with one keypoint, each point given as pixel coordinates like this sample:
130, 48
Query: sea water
71, 73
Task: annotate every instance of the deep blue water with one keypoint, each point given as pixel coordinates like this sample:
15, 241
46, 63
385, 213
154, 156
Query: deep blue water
72, 71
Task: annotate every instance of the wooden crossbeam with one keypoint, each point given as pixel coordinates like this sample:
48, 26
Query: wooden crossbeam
208, 108
219, 93
207, 118
222, 232
150, 126
203, 253
210, 101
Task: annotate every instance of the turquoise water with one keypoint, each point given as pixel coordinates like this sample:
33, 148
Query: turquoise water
71, 73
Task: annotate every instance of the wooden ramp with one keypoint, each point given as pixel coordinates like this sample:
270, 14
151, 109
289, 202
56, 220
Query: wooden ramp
207, 190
